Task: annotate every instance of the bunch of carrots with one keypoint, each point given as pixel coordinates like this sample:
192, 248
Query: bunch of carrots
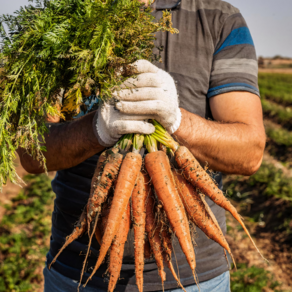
161, 198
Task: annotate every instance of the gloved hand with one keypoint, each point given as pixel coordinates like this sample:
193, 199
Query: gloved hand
151, 94
109, 124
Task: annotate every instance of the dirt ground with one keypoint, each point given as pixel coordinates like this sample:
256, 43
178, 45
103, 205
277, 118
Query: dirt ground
276, 70
279, 256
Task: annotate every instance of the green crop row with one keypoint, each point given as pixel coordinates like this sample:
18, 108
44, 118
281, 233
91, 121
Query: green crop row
268, 181
25, 229
253, 279
266, 199
279, 135
281, 113
276, 87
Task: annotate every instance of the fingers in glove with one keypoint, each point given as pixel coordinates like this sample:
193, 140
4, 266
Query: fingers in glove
134, 117
140, 94
151, 107
143, 80
138, 127
144, 66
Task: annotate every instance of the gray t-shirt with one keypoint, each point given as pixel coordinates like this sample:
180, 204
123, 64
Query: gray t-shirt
212, 54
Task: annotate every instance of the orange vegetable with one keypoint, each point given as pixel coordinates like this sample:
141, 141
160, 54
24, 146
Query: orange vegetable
102, 186
167, 251
199, 213
139, 196
199, 178
78, 231
153, 232
158, 167
127, 178
82, 223
117, 249
147, 248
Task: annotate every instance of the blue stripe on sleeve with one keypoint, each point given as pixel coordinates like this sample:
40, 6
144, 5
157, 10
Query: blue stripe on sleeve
239, 36
232, 87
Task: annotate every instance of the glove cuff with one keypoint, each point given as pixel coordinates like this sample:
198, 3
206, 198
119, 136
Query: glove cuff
100, 132
177, 122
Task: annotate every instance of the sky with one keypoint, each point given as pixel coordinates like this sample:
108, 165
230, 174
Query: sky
270, 23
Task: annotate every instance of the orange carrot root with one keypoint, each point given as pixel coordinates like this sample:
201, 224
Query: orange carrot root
82, 223
117, 249
99, 166
153, 232
158, 167
127, 178
198, 177
167, 251
139, 196
77, 232
199, 211
103, 185
98, 234
147, 249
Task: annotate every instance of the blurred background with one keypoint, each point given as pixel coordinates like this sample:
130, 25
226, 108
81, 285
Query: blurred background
264, 200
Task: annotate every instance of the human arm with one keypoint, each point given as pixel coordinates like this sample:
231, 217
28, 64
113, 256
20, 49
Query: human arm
67, 144
235, 141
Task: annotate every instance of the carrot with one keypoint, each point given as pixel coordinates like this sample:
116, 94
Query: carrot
103, 185
199, 178
100, 228
158, 167
127, 178
167, 250
139, 196
82, 223
101, 160
77, 232
98, 234
153, 232
198, 211
117, 249
147, 248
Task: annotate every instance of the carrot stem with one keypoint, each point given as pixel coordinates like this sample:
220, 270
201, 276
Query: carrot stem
137, 143
150, 143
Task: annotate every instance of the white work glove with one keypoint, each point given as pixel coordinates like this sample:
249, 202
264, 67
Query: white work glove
110, 124
151, 94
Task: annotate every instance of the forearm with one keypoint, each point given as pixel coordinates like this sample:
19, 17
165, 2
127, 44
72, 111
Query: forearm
68, 144
235, 148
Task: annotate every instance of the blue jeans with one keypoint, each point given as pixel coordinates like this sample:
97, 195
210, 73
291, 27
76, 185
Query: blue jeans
55, 282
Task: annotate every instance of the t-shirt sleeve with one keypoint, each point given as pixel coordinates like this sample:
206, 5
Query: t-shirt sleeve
235, 66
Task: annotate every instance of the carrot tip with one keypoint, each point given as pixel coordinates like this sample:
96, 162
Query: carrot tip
196, 279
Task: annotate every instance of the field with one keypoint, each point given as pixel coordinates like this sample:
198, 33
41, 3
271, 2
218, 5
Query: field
264, 200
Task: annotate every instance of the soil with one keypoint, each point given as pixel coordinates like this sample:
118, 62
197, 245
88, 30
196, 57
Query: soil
270, 117
278, 254
270, 159
280, 152
276, 70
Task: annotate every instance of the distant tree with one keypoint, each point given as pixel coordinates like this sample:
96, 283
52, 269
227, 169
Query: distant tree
278, 57
261, 62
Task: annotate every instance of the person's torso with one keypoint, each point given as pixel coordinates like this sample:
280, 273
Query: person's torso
187, 56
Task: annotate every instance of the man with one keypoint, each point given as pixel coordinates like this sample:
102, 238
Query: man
212, 65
